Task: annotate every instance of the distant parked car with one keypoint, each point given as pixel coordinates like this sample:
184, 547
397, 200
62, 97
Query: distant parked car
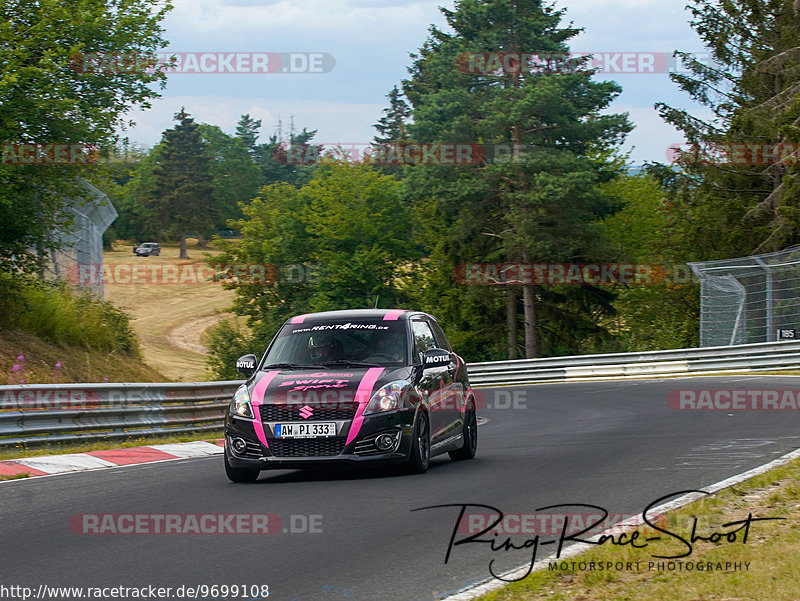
148, 248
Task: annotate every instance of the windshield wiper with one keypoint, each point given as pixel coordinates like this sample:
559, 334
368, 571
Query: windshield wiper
349, 362
289, 365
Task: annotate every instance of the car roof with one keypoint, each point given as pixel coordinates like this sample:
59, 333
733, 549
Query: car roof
358, 314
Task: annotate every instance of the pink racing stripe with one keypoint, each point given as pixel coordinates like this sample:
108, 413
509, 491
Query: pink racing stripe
393, 315
363, 394
257, 401
299, 318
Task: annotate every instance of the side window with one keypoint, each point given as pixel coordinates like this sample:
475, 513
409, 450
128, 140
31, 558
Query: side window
438, 333
423, 338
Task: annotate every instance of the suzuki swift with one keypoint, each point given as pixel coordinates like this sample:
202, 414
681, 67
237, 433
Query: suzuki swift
351, 388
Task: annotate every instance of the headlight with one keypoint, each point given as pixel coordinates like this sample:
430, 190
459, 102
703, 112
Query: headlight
240, 405
387, 397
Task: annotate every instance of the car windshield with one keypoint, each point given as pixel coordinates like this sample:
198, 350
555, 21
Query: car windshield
371, 343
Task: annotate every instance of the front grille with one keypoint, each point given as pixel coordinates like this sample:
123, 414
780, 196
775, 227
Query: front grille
306, 447
291, 413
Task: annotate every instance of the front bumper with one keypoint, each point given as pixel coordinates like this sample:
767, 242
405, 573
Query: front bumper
318, 452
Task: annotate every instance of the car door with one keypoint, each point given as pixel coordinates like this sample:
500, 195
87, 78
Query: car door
433, 379
455, 383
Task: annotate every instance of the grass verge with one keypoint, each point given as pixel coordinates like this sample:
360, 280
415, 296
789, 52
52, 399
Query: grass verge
772, 550
14, 476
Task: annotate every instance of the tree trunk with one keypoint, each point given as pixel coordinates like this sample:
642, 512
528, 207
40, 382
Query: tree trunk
201, 240
531, 346
511, 321
183, 254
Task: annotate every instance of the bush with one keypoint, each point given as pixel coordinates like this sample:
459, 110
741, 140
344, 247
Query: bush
226, 342
60, 314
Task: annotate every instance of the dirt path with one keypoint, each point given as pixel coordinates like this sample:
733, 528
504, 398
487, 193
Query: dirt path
168, 318
188, 335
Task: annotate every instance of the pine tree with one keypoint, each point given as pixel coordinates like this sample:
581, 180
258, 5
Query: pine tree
745, 191
392, 127
181, 194
277, 157
247, 132
537, 205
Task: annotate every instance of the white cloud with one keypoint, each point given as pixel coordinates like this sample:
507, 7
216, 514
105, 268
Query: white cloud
306, 23
370, 41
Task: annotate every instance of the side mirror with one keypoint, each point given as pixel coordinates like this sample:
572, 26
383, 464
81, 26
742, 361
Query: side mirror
435, 357
246, 364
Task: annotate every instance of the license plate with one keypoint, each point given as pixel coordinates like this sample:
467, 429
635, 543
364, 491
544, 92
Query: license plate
312, 430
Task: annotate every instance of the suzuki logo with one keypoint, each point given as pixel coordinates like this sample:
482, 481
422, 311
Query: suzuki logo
306, 412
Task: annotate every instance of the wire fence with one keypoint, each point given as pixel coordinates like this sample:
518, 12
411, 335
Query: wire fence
81, 244
750, 299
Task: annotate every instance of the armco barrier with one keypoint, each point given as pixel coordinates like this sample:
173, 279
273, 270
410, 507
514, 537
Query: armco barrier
745, 357
37, 414
34, 414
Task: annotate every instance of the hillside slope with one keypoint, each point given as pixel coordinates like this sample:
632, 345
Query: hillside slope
41, 362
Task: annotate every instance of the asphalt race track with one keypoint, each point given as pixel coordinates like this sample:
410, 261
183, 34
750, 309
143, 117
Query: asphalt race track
612, 444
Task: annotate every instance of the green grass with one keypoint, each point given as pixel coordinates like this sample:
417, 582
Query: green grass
772, 550
19, 476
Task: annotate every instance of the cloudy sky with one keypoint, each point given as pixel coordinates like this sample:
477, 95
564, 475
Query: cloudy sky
370, 42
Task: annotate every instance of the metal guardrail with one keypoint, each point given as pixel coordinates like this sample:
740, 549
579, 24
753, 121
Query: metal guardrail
34, 414
761, 356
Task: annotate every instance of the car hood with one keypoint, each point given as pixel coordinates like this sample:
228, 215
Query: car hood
324, 385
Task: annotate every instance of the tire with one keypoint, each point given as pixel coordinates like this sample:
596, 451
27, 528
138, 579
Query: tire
470, 447
240, 474
420, 456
